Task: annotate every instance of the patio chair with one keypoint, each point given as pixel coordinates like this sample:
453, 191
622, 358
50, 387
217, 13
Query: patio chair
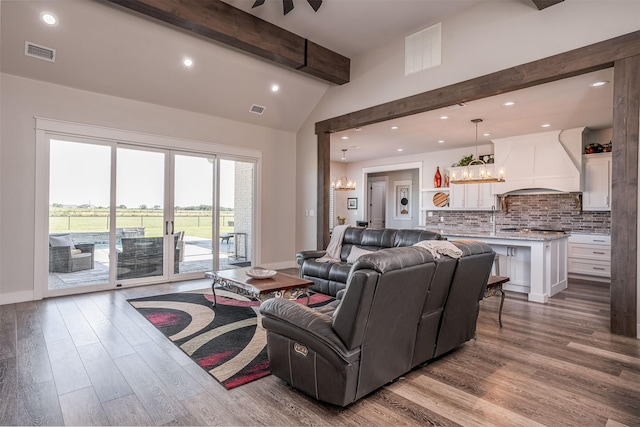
67, 257
143, 257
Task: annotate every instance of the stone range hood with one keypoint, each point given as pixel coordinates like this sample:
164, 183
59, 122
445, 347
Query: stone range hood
546, 162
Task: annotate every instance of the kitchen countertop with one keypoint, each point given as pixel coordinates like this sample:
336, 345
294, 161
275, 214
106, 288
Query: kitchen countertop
506, 235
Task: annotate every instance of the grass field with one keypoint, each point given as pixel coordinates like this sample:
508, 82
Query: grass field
193, 223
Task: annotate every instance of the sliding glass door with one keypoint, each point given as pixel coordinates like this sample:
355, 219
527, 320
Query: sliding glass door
193, 213
79, 214
140, 214
123, 215
236, 224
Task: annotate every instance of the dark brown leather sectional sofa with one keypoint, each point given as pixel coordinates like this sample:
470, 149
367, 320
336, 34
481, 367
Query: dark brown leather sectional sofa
331, 277
400, 308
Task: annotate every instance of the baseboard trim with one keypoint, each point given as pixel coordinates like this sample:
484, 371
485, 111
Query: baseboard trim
590, 278
280, 265
16, 297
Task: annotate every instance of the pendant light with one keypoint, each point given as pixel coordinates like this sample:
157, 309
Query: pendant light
344, 184
484, 175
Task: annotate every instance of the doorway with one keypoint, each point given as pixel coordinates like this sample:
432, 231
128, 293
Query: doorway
377, 203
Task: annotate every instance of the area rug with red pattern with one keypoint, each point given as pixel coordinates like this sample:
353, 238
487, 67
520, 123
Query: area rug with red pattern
227, 340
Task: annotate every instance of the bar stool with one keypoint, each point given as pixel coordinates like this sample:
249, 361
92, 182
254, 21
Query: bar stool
494, 285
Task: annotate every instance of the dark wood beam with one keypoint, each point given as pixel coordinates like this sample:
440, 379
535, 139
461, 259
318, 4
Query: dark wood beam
324, 181
624, 219
568, 64
226, 24
543, 4
623, 53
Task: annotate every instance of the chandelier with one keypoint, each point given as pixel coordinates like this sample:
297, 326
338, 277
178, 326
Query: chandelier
484, 175
344, 184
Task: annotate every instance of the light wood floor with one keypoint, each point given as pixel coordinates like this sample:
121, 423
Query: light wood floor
91, 359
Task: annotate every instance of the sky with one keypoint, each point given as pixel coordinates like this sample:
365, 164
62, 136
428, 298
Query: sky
80, 174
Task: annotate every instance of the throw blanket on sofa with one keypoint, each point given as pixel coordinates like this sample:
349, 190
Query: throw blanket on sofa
440, 247
335, 245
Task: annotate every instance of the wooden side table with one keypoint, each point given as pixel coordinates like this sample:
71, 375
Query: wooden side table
494, 285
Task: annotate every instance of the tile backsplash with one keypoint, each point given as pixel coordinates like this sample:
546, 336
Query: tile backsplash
552, 211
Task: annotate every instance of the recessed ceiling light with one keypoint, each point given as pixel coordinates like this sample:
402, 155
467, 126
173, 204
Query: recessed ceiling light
275, 88
598, 84
394, 127
441, 141
545, 125
399, 149
509, 103
187, 62
486, 134
345, 137
444, 117
48, 18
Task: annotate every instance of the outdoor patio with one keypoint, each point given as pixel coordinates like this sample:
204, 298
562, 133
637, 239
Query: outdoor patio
197, 258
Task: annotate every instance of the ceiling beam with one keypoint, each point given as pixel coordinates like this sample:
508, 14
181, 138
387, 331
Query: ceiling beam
579, 61
223, 23
543, 4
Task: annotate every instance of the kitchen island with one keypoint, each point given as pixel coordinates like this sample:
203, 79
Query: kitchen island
536, 262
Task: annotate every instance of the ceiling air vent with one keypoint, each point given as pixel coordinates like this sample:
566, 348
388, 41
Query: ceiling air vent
40, 52
257, 109
455, 106
423, 49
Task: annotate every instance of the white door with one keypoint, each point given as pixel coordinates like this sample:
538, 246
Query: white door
377, 204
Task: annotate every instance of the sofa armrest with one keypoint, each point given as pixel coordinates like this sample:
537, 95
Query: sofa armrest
305, 325
301, 256
59, 259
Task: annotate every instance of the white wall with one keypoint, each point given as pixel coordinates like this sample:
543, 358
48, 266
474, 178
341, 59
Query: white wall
22, 99
393, 220
489, 37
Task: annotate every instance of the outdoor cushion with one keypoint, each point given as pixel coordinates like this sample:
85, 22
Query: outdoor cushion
64, 240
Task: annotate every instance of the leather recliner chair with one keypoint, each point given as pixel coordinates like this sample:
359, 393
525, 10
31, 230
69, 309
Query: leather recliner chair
400, 308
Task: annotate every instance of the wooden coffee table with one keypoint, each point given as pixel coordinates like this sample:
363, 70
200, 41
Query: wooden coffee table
281, 285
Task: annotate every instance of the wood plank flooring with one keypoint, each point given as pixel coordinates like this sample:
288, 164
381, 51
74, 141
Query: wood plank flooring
93, 360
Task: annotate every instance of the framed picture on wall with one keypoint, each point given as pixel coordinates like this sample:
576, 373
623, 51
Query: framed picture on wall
403, 199
352, 203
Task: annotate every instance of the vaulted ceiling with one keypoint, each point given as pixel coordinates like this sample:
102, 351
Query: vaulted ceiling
104, 47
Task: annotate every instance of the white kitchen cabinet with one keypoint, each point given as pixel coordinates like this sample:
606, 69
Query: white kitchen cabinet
470, 196
556, 259
515, 263
590, 256
596, 182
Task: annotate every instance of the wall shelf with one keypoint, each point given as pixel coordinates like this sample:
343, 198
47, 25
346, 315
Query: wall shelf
435, 189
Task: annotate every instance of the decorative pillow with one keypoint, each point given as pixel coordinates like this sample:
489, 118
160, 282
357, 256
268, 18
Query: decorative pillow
75, 251
64, 240
356, 253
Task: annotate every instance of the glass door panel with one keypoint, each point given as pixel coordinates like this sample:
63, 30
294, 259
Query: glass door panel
236, 213
193, 213
140, 219
79, 196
